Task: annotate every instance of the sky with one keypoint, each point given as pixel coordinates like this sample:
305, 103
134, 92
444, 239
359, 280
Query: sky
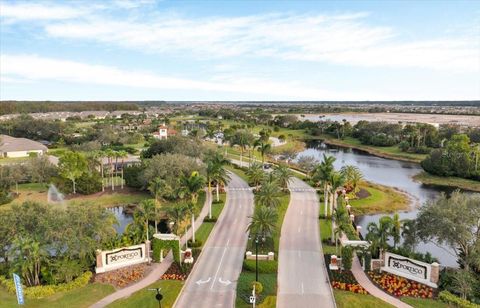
239, 50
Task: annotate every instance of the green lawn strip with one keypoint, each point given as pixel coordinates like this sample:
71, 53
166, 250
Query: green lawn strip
206, 228
382, 199
282, 209
424, 302
146, 299
392, 152
82, 297
325, 226
244, 286
451, 181
346, 299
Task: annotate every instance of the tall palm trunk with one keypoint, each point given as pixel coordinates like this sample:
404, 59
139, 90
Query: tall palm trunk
123, 165
218, 193
193, 227
325, 197
101, 171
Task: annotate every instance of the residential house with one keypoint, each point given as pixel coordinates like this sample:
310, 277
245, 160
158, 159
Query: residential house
20, 147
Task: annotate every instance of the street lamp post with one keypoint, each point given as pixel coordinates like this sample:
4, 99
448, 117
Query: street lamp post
158, 296
257, 240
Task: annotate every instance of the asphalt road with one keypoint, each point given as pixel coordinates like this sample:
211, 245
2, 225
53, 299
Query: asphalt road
302, 277
212, 282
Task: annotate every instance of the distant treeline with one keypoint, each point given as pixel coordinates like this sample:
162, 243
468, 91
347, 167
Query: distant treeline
9, 107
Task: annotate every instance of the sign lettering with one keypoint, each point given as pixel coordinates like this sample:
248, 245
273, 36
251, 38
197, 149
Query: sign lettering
408, 266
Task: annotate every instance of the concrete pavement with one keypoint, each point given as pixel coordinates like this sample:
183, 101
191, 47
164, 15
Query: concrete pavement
302, 276
213, 281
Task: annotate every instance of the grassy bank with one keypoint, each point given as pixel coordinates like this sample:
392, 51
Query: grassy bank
424, 302
380, 199
81, 297
392, 152
429, 179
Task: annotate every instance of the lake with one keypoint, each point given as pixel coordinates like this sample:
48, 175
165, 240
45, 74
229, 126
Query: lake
392, 173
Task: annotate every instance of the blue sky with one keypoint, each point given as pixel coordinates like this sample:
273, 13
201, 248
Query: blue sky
240, 50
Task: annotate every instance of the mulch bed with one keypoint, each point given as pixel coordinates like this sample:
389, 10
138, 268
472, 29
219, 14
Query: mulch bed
124, 276
362, 193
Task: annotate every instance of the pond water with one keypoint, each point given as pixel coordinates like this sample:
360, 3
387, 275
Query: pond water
123, 218
392, 173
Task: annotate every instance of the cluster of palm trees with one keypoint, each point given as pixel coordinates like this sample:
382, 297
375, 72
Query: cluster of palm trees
334, 181
391, 229
268, 192
247, 141
110, 171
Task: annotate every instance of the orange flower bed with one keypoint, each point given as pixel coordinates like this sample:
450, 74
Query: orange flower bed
355, 288
399, 286
174, 272
122, 277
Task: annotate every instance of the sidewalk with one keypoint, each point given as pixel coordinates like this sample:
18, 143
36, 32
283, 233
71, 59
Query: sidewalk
158, 268
368, 285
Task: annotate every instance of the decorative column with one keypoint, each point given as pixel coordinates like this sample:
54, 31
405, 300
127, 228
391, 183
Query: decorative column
435, 274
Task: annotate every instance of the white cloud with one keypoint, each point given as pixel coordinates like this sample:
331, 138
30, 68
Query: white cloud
345, 39
36, 11
35, 68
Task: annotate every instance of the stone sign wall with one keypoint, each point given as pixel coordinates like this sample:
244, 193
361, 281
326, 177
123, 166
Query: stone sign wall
412, 269
118, 258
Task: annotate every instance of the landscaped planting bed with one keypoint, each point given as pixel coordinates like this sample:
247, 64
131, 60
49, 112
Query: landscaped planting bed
122, 277
399, 286
345, 281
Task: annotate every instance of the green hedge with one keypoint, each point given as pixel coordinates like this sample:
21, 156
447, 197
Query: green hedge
47, 290
158, 245
451, 299
265, 267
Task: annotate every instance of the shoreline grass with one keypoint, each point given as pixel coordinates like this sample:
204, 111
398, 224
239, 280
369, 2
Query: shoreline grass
455, 182
382, 199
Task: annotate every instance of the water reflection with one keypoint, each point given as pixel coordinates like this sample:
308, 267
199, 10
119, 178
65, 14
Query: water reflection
388, 172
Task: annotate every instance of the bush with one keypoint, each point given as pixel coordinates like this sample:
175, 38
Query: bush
264, 267
47, 290
213, 219
347, 257
89, 183
196, 244
258, 287
131, 174
456, 301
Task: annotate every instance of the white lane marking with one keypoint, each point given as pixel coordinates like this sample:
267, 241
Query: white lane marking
199, 282
226, 282
299, 254
220, 264
298, 229
303, 291
301, 212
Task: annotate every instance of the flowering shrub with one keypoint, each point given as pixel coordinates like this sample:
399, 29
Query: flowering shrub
344, 280
355, 288
47, 290
174, 272
122, 277
456, 301
399, 286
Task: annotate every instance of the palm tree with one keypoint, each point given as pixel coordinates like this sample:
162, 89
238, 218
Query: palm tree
110, 154
342, 224
268, 195
322, 174
191, 187
122, 154
157, 187
396, 229
145, 212
352, 175
264, 221
176, 214
263, 147
220, 177
409, 234
255, 174
378, 234
27, 256
243, 139
336, 182
283, 175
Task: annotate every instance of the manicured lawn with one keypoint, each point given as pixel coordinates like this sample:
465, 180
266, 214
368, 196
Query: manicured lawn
145, 298
382, 199
346, 299
427, 178
424, 303
244, 290
282, 209
83, 297
325, 226
206, 228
